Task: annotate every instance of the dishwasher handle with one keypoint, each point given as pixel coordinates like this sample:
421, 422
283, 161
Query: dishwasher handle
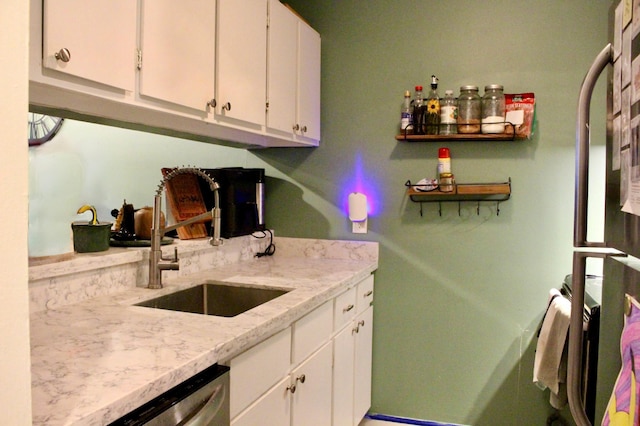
204, 413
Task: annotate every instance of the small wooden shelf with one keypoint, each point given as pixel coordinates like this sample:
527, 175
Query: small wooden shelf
462, 192
459, 137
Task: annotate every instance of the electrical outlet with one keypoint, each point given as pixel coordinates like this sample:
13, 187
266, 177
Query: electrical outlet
359, 227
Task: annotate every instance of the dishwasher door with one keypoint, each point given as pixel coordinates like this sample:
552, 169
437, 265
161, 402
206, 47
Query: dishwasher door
202, 400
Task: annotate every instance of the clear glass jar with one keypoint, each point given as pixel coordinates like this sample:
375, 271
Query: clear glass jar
469, 110
493, 113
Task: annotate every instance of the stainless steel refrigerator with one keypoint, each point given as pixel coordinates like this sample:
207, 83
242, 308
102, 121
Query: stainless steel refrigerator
620, 62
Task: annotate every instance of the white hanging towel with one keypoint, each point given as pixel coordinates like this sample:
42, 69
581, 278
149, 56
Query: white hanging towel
549, 368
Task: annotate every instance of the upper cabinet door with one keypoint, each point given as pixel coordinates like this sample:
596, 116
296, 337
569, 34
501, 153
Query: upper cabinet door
309, 81
242, 60
178, 51
94, 40
282, 68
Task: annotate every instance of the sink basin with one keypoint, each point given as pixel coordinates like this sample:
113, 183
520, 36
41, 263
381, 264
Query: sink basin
223, 300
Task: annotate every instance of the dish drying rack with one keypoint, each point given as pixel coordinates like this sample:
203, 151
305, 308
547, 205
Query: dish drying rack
461, 193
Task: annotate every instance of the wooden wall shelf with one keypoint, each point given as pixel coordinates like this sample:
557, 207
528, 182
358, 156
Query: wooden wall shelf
459, 137
462, 192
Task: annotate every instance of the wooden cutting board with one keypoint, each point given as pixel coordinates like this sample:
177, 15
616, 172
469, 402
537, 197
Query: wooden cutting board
185, 201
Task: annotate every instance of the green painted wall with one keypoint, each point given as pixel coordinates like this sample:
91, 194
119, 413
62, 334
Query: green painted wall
459, 297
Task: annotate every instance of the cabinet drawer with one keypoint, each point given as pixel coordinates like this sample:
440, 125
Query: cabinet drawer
311, 331
344, 309
259, 368
365, 294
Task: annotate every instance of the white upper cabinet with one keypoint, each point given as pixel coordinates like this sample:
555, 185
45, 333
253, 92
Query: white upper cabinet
282, 68
293, 90
194, 68
242, 61
308, 82
78, 41
177, 51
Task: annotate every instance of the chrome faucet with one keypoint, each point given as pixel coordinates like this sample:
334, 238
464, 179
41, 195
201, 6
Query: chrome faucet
157, 263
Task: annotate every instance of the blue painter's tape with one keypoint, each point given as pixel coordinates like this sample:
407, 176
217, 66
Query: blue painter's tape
406, 421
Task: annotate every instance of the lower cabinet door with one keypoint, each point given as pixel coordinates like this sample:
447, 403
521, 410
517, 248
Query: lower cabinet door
362, 367
343, 367
273, 408
311, 404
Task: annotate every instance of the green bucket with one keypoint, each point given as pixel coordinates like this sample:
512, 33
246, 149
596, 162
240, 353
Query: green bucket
88, 238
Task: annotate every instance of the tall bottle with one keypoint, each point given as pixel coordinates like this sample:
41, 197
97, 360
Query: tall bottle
432, 117
406, 125
448, 114
418, 112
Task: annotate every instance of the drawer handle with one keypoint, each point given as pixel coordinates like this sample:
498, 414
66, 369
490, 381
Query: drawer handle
369, 293
301, 378
347, 309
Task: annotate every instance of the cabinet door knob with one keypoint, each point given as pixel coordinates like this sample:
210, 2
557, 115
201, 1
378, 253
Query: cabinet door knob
212, 103
301, 378
292, 388
296, 127
348, 308
304, 129
63, 55
369, 293
227, 106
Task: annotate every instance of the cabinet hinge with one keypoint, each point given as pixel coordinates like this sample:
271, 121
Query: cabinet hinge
139, 59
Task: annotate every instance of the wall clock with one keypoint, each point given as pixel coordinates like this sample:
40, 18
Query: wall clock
42, 128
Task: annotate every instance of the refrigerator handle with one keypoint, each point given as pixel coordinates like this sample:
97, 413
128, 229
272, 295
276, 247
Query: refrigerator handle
582, 148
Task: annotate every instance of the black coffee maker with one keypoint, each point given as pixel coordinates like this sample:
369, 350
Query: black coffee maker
241, 199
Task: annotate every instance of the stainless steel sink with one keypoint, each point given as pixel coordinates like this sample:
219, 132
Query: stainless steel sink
216, 299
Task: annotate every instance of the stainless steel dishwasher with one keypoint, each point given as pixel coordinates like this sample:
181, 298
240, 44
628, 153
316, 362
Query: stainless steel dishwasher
202, 400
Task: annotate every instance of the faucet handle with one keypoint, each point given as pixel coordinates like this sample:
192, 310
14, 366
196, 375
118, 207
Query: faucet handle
175, 255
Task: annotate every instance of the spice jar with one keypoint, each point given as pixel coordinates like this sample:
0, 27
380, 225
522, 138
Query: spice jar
469, 110
493, 113
446, 182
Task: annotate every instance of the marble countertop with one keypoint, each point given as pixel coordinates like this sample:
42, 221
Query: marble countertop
98, 359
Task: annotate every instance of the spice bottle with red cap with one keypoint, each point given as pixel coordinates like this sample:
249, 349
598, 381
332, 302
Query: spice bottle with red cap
445, 177
444, 161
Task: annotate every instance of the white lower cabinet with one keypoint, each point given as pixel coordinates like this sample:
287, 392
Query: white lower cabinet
312, 397
272, 408
317, 372
352, 358
362, 365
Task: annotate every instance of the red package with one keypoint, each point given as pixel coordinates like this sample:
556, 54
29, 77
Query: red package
520, 111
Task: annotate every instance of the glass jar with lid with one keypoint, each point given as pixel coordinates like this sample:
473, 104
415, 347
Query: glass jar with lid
493, 112
469, 110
